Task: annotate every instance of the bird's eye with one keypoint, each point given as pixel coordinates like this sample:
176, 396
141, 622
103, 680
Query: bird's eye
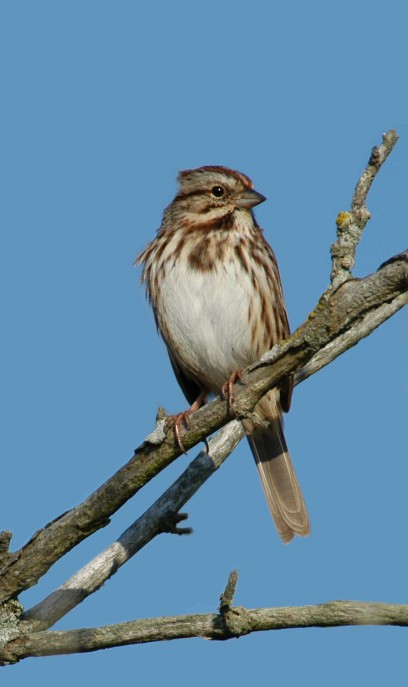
217, 191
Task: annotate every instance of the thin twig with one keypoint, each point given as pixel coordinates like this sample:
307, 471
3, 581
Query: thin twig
227, 596
350, 225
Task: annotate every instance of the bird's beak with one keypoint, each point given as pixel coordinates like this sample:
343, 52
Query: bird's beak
250, 198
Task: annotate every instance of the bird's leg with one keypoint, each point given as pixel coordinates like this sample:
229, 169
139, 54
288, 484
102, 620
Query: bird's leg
228, 389
183, 419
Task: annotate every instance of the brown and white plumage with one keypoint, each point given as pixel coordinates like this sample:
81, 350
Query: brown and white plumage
215, 288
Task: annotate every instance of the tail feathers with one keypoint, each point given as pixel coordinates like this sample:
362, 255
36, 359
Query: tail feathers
279, 481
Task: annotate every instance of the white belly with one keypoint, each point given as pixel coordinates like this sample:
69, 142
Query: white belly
206, 316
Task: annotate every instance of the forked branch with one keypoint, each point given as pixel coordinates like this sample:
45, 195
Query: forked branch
349, 310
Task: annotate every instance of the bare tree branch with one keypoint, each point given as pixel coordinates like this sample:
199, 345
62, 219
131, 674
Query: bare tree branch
94, 574
355, 306
350, 225
239, 622
90, 578
349, 310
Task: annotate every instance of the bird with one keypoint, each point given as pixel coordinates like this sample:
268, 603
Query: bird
214, 285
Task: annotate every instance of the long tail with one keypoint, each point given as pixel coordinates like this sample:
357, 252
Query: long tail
275, 467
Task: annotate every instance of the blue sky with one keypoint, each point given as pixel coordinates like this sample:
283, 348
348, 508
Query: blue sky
102, 104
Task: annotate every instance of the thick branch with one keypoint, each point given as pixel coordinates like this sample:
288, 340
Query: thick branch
207, 626
356, 307
91, 576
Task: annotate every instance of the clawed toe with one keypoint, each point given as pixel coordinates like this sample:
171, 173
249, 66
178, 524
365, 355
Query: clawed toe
177, 421
228, 389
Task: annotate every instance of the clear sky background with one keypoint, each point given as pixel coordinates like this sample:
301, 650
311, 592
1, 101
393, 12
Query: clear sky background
101, 104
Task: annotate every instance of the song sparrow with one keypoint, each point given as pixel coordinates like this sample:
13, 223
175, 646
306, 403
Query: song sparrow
216, 292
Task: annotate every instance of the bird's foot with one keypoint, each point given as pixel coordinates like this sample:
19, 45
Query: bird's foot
183, 419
